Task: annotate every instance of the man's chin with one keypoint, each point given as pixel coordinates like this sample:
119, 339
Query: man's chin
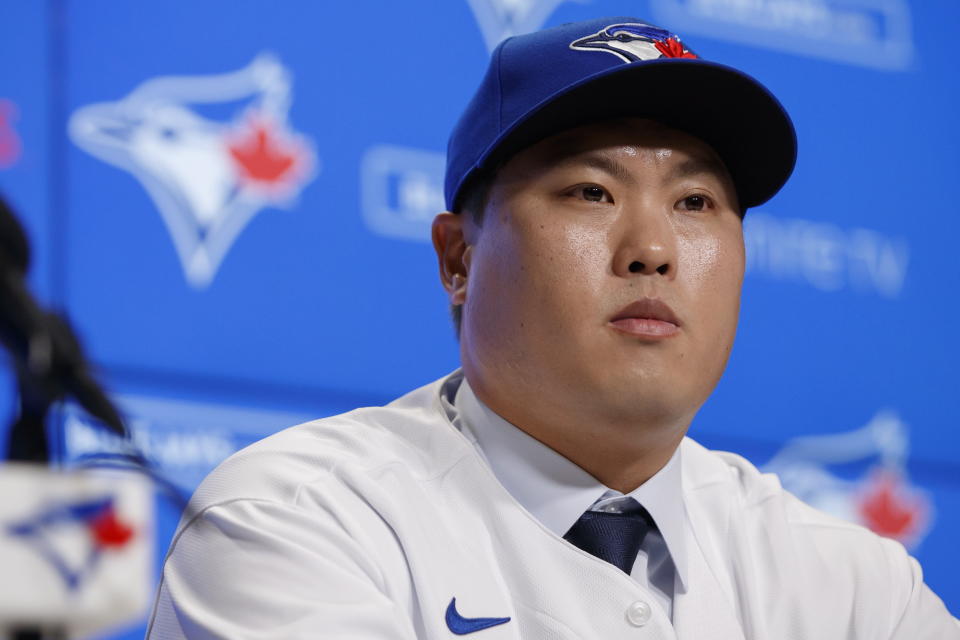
648, 404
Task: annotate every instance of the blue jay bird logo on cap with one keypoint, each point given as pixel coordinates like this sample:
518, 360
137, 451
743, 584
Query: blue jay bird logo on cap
634, 42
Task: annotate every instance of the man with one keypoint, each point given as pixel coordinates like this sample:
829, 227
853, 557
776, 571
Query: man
599, 179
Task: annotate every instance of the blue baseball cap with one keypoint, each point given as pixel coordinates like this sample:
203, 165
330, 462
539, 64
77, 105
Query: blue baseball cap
548, 81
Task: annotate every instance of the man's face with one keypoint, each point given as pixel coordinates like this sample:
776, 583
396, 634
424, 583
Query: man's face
605, 278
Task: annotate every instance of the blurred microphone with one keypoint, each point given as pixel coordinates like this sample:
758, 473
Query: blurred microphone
14, 250
76, 547
46, 354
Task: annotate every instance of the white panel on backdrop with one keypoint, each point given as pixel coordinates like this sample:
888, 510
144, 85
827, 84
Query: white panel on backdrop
401, 190
207, 178
825, 256
183, 439
872, 33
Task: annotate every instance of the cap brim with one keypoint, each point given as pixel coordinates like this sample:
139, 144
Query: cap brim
733, 113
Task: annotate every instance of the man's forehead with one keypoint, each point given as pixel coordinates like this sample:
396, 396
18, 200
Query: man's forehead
601, 144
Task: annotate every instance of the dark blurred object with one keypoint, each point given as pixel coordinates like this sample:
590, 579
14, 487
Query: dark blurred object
49, 361
14, 250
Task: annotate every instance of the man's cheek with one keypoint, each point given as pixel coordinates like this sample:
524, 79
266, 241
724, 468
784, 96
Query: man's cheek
715, 260
585, 254
699, 257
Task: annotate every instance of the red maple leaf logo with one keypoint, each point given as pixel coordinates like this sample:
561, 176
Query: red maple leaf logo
9, 141
890, 509
672, 48
108, 530
265, 157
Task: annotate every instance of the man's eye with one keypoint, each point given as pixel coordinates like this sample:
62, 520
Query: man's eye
694, 203
594, 193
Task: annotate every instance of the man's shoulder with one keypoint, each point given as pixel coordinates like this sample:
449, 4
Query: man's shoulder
799, 563
411, 433
763, 517
752, 491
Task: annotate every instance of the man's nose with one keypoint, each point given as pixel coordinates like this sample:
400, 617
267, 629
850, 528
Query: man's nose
646, 242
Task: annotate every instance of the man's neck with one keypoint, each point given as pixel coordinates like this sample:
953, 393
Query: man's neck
620, 452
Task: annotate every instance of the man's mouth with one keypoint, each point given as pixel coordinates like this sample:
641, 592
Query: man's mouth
647, 318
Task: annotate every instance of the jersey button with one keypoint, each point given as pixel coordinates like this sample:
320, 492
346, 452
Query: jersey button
638, 613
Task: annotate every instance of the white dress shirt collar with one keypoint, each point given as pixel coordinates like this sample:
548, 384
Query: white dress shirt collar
555, 490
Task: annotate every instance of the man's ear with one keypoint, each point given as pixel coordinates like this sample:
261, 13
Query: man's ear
453, 254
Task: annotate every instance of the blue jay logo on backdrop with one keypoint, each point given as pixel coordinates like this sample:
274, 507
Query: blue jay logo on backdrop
95, 519
207, 178
871, 33
634, 42
501, 19
879, 496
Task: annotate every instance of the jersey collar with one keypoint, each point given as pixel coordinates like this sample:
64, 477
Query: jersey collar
555, 490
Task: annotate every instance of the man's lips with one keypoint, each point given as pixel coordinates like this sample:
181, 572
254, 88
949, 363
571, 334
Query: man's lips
647, 318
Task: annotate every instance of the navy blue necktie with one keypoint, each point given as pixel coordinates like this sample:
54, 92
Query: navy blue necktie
614, 537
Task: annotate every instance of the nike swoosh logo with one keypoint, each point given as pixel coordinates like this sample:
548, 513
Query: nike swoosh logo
462, 626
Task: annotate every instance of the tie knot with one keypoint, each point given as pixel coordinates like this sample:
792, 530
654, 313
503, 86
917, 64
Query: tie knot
613, 537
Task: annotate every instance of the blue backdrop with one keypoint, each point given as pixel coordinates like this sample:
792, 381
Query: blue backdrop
231, 201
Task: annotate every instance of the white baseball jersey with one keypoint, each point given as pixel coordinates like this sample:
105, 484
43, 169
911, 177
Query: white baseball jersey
386, 523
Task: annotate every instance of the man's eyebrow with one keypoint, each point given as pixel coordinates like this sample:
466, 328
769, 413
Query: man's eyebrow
606, 164
698, 165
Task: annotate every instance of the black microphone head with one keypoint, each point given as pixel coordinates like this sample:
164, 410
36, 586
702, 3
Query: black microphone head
14, 249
